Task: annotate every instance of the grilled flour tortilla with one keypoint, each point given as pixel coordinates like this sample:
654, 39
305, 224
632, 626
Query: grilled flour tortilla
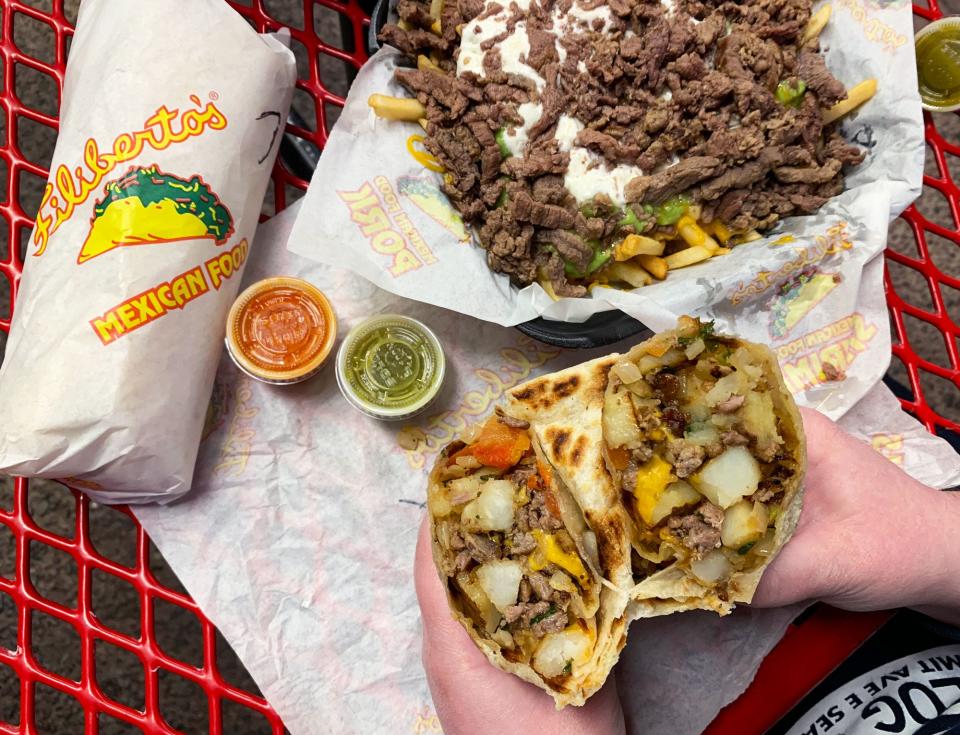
707, 447
629, 486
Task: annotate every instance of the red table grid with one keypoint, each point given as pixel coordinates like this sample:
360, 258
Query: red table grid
836, 632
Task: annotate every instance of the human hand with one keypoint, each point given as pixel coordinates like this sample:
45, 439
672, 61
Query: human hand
870, 537
473, 696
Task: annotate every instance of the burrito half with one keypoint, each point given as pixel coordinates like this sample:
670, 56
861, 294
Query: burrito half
707, 447
520, 564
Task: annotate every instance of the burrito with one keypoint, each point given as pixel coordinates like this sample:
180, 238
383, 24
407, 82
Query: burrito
628, 486
707, 446
140, 242
523, 564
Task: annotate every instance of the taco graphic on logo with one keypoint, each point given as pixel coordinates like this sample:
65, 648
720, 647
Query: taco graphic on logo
432, 202
147, 206
797, 297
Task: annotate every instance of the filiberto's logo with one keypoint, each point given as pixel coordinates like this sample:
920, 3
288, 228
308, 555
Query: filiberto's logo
146, 206
71, 186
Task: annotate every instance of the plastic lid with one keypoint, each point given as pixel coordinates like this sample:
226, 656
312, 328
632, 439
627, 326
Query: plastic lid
390, 367
280, 330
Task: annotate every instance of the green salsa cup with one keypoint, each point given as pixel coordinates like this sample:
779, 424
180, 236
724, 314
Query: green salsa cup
390, 367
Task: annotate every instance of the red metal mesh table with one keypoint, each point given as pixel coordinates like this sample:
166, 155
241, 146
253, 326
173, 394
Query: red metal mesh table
324, 64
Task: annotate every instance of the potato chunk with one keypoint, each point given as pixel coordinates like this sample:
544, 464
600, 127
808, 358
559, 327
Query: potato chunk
743, 523
619, 421
500, 580
493, 509
728, 478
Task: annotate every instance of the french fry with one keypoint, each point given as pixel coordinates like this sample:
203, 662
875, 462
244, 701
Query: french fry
436, 8
423, 123
397, 108
683, 258
629, 272
637, 245
721, 231
425, 64
404, 25
654, 265
694, 235
435, 27
816, 24
548, 287
856, 96
752, 236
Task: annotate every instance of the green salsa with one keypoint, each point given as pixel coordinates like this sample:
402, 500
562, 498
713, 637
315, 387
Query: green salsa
392, 364
938, 65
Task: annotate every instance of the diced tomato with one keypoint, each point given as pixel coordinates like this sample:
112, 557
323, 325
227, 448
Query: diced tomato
549, 499
497, 445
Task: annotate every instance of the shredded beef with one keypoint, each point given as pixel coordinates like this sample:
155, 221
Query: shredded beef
540, 586
734, 438
552, 624
414, 13
549, 216
522, 543
571, 246
731, 404
525, 611
686, 458
412, 42
482, 548
515, 423
699, 531
813, 70
536, 515
680, 177
470, 9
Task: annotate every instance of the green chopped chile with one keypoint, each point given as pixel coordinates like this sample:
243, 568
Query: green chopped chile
789, 95
501, 138
672, 210
630, 219
544, 615
745, 548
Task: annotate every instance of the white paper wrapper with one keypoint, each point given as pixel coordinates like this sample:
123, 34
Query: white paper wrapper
372, 208
308, 512
114, 347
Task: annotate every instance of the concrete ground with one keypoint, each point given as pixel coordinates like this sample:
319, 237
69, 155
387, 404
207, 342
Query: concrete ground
57, 646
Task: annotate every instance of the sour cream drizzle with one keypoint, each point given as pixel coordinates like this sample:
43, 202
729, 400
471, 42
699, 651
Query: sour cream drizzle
588, 173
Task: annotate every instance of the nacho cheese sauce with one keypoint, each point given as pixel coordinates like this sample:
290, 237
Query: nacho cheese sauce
280, 330
390, 367
588, 174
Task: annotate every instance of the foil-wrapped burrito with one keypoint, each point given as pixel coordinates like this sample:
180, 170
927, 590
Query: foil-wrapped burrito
171, 118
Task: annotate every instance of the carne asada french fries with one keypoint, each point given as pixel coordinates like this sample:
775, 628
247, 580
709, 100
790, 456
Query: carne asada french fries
629, 486
567, 130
